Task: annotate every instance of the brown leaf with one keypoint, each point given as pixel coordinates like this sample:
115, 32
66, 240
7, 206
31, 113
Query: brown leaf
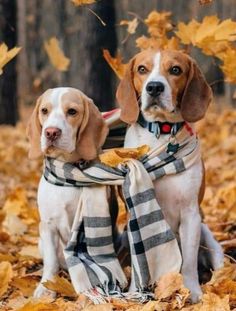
62, 286
56, 55
212, 302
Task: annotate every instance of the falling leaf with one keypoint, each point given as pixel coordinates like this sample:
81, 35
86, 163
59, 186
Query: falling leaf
6, 274
83, 2
56, 55
202, 2
158, 23
115, 63
132, 25
7, 55
226, 30
61, 285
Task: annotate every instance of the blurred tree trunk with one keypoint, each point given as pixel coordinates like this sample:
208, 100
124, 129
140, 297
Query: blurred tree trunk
8, 90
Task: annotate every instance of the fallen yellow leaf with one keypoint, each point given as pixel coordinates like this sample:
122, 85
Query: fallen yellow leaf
61, 285
6, 274
56, 55
7, 55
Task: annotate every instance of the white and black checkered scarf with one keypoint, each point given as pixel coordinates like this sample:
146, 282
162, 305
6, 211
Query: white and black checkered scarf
90, 254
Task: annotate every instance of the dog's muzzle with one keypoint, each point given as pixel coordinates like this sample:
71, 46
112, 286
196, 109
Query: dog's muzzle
155, 88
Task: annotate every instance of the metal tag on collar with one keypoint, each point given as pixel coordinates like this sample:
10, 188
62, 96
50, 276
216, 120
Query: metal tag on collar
174, 130
155, 129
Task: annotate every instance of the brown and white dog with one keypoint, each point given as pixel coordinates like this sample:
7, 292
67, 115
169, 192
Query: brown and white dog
168, 87
66, 125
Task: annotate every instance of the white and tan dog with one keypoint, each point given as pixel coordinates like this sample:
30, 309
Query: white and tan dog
66, 125
168, 87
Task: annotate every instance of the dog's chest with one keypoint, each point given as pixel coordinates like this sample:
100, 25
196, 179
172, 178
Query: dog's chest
57, 204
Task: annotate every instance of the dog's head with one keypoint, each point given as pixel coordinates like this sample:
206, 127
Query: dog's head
165, 86
65, 123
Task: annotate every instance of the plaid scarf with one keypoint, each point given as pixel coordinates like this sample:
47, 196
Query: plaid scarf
90, 254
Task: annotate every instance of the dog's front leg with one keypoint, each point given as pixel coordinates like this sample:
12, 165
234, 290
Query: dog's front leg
49, 242
190, 230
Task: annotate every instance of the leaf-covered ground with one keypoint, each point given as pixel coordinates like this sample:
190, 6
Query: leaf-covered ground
20, 262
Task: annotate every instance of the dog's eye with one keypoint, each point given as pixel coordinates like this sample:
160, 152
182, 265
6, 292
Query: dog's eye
71, 112
175, 70
44, 111
142, 69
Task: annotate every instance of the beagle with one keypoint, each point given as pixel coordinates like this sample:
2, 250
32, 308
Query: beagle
66, 125
161, 92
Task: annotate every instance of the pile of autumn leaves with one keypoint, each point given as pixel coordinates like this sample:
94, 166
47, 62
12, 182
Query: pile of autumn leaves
20, 262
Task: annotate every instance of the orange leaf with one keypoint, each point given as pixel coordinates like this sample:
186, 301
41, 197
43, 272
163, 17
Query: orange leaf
6, 274
132, 25
115, 63
82, 2
61, 285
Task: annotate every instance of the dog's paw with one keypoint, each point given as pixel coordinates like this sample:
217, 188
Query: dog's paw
196, 295
42, 291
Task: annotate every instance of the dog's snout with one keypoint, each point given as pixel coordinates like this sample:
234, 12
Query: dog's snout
52, 133
155, 88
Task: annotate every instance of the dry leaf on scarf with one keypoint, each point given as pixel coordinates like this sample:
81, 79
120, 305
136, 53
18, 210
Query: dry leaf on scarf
114, 157
56, 55
6, 274
83, 2
115, 63
62, 286
7, 55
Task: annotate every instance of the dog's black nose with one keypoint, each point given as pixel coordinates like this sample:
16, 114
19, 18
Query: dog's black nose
155, 88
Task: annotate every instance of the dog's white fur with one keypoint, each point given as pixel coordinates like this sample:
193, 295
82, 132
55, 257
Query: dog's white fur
177, 194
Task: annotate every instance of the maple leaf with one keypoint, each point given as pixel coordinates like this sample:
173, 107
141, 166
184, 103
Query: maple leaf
61, 285
158, 23
226, 30
207, 28
83, 2
56, 55
186, 32
6, 274
115, 63
39, 306
7, 55
132, 25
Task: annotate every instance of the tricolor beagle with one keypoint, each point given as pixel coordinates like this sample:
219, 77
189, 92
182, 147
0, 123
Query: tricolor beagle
66, 125
161, 92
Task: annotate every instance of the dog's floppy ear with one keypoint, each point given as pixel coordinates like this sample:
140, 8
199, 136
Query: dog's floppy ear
197, 95
33, 132
126, 96
92, 132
